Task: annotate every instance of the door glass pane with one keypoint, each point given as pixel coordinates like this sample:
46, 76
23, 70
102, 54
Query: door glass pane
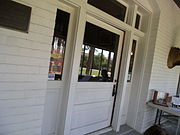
98, 54
58, 46
131, 63
111, 7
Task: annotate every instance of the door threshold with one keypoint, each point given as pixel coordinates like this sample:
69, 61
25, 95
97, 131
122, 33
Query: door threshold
101, 131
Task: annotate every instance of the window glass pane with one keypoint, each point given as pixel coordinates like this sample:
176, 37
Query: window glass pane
97, 57
58, 46
178, 88
111, 7
131, 60
97, 62
137, 23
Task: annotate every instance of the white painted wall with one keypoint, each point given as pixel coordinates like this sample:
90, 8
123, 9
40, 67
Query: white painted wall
126, 104
52, 105
165, 19
162, 78
24, 60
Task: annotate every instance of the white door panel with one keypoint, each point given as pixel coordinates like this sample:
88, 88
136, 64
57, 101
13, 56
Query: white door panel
95, 114
89, 129
91, 96
91, 93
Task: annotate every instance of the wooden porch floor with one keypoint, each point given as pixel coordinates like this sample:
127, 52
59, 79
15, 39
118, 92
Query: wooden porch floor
126, 130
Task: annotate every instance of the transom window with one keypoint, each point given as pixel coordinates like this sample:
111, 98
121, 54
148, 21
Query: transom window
137, 23
58, 46
112, 7
98, 54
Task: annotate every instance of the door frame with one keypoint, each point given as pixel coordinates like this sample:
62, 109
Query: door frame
82, 10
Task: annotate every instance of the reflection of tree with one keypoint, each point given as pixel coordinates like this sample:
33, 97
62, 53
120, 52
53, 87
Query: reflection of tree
97, 61
90, 60
93, 59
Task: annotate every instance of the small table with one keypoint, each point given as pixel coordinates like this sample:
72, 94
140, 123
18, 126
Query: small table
170, 110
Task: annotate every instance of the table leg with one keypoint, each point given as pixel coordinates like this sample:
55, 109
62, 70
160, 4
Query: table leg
157, 115
160, 115
178, 126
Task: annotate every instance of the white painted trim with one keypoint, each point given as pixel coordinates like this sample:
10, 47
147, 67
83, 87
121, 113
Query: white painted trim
143, 72
83, 9
103, 25
102, 131
102, 16
122, 83
72, 21
81, 15
135, 37
134, 15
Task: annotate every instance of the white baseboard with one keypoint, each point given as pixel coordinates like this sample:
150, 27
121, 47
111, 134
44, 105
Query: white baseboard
104, 130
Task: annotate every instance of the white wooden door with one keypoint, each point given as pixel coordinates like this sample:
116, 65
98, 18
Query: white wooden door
93, 102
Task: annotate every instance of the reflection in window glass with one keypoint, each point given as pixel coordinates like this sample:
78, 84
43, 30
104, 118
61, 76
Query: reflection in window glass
131, 60
137, 23
178, 88
111, 7
58, 46
97, 57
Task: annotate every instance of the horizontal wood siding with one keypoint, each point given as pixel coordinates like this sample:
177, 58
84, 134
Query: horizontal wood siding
24, 63
162, 78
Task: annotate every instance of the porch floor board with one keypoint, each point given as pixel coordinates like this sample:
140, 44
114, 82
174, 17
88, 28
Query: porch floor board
126, 130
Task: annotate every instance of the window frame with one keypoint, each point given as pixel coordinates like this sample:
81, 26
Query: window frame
134, 63
93, 20
66, 43
127, 9
119, 1
140, 21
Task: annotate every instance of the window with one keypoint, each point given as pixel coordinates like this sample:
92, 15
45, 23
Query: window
137, 23
131, 60
178, 88
58, 46
111, 7
98, 54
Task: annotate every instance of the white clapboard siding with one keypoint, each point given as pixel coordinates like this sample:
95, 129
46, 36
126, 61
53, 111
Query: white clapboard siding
53, 99
162, 78
24, 62
93, 92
